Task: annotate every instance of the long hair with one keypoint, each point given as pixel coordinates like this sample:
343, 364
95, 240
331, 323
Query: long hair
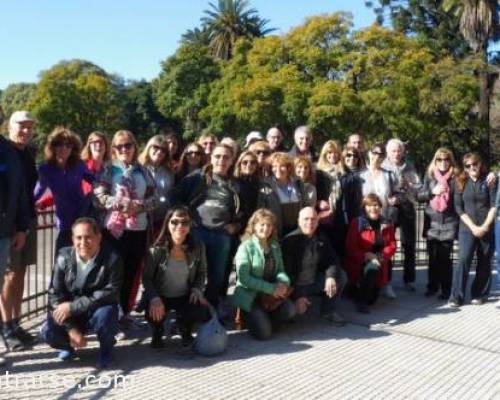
306, 161
359, 156
63, 134
462, 178
323, 164
96, 135
165, 238
130, 136
183, 168
260, 215
157, 140
442, 152
237, 166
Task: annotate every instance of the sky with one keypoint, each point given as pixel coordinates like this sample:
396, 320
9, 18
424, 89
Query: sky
126, 37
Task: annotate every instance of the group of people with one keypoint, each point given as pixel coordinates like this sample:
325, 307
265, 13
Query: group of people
295, 225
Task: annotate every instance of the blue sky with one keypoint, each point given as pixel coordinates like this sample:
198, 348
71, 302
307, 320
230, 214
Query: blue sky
127, 37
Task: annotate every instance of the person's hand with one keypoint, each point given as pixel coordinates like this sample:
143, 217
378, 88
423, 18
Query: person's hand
301, 305
483, 230
330, 287
477, 231
231, 228
62, 312
197, 297
76, 338
18, 241
491, 180
280, 290
438, 190
156, 309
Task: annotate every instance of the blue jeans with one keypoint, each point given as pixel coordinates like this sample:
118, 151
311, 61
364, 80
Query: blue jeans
468, 245
103, 322
497, 246
218, 248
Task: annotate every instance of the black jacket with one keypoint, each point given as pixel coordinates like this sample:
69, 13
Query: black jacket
318, 250
100, 287
438, 225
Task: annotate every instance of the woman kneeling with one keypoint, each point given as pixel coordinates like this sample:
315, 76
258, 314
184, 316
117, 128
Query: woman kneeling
263, 286
174, 277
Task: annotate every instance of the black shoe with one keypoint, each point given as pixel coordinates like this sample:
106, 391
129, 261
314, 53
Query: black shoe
27, 338
362, 308
186, 336
157, 339
13, 343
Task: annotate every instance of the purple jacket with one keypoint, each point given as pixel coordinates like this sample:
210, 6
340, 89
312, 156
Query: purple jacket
66, 188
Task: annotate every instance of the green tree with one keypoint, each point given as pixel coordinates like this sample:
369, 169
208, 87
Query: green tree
229, 20
183, 86
16, 96
80, 95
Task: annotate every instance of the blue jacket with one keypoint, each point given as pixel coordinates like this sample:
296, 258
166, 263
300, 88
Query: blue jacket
14, 209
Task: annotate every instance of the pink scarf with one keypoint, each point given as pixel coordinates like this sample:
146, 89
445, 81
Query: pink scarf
440, 203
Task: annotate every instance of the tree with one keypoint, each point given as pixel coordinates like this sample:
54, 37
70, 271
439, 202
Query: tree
79, 95
16, 96
229, 20
196, 36
183, 87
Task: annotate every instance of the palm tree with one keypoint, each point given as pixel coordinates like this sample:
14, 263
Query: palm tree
196, 36
479, 23
229, 20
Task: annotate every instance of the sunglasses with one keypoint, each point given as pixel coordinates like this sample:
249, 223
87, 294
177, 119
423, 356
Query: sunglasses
193, 153
181, 222
94, 142
350, 155
262, 152
124, 146
248, 162
159, 148
377, 153
469, 166
62, 143
442, 159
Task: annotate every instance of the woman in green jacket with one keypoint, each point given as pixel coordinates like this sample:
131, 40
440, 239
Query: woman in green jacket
263, 286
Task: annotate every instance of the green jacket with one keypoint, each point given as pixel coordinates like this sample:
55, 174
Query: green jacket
249, 262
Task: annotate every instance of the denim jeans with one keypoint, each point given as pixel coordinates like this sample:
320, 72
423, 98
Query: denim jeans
469, 245
218, 248
259, 320
103, 322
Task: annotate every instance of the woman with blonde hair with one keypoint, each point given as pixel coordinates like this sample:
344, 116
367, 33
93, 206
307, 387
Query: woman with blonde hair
262, 286
475, 205
63, 172
127, 192
155, 158
441, 221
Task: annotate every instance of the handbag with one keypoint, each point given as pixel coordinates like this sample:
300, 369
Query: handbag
212, 337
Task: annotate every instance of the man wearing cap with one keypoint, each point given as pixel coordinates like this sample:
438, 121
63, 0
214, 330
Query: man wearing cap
14, 209
303, 139
252, 137
21, 128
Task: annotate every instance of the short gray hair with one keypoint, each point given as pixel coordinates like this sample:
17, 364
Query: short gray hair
394, 142
302, 129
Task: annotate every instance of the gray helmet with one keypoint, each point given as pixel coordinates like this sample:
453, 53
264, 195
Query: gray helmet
212, 337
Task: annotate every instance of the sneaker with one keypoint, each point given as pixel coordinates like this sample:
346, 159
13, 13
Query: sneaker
410, 287
121, 335
105, 359
66, 355
335, 318
454, 303
478, 302
388, 292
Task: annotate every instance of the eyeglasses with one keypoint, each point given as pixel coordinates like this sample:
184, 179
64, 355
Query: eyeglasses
469, 166
262, 152
124, 146
193, 153
62, 143
351, 155
223, 156
248, 162
442, 160
181, 222
159, 148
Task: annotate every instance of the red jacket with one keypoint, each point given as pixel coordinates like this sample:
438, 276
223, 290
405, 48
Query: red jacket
360, 240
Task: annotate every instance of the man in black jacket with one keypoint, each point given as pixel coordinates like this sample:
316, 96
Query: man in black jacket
84, 293
313, 267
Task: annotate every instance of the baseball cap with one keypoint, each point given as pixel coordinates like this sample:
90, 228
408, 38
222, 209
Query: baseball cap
252, 137
21, 116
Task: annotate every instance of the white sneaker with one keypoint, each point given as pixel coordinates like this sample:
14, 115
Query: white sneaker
388, 292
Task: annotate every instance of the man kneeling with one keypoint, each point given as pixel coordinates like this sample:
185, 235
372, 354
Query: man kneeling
84, 293
313, 267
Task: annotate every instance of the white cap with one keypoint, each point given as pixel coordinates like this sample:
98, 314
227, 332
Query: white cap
252, 137
21, 116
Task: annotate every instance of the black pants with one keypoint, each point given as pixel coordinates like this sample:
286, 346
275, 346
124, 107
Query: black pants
132, 248
407, 225
440, 266
367, 291
187, 313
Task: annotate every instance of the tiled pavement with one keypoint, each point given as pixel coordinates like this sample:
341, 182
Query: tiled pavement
410, 348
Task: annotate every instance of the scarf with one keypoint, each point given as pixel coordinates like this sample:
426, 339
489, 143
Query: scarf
439, 203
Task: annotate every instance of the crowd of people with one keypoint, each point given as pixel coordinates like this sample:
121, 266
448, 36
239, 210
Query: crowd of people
295, 225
